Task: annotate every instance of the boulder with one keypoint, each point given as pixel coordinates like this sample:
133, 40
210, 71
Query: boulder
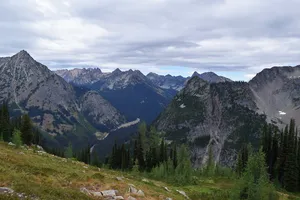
132, 189
11, 144
85, 191
109, 193
145, 180
119, 198
39, 148
6, 190
119, 178
140, 193
97, 194
131, 198
167, 189
183, 194
168, 198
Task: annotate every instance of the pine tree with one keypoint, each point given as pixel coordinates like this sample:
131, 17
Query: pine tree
210, 168
175, 156
291, 169
162, 151
140, 153
16, 139
69, 151
282, 155
26, 130
5, 123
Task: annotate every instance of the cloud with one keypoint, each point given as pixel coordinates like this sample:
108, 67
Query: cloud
208, 35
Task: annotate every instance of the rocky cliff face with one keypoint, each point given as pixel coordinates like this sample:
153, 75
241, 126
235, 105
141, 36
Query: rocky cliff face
54, 104
277, 94
211, 77
226, 114
168, 81
133, 94
221, 115
81, 76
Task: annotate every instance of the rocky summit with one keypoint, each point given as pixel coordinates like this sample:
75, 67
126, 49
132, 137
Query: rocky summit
53, 104
226, 114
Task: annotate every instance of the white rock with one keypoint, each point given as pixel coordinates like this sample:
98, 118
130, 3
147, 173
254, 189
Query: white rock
108, 193
132, 189
169, 198
39, 148
119, 197
97, 194
145, 180
119, 178
131, 198
140, 193
6, 190
85, 191
183, 193
167, 189
11, 144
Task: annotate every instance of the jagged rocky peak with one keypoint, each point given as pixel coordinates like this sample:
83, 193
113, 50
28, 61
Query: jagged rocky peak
207, 114
51, 102
211, 77
277, 93
168, 81
117, 71
81, 76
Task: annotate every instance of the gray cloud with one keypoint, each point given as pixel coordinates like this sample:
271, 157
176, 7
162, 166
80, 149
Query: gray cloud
215, 35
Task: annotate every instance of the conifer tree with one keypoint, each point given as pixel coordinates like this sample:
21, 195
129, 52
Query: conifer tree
291, 170
16, 139
69, 151
26, 130
5, 123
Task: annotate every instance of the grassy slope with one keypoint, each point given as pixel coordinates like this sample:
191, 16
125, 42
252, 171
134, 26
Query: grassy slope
50, 177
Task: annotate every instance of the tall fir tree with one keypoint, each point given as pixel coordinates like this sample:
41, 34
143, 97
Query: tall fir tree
26, 130
291, 169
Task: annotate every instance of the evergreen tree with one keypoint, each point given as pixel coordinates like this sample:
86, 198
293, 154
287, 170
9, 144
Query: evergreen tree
162, 155
282, 155
140, 153
16, 139
69, 151
175, 156
26, 130
5, 123
210, 168
254, 182
291, 169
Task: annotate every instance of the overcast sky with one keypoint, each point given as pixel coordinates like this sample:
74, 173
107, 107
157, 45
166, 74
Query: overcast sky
235, 38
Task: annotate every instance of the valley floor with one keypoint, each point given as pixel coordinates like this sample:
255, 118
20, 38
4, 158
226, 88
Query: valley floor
38, 175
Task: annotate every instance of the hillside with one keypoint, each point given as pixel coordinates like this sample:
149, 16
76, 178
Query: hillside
43, 176
38, 175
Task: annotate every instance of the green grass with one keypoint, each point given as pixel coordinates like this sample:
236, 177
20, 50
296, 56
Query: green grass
49, 177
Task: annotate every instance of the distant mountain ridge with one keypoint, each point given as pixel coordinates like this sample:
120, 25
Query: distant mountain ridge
226, 114
56, 106
88, 76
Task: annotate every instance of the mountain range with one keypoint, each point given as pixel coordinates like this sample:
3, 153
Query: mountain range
225, 115
205, 111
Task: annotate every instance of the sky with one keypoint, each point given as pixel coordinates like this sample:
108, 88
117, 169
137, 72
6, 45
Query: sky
234, 38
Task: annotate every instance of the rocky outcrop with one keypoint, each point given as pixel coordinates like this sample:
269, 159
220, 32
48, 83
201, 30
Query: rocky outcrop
99, 111
53, 104
277, 94
217, 115
211, 77
84, 76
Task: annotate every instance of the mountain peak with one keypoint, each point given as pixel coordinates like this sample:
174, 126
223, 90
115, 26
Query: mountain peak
23, 54
117, 71
195, 74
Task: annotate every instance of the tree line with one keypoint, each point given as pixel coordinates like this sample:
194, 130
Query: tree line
282, 156
19, 130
